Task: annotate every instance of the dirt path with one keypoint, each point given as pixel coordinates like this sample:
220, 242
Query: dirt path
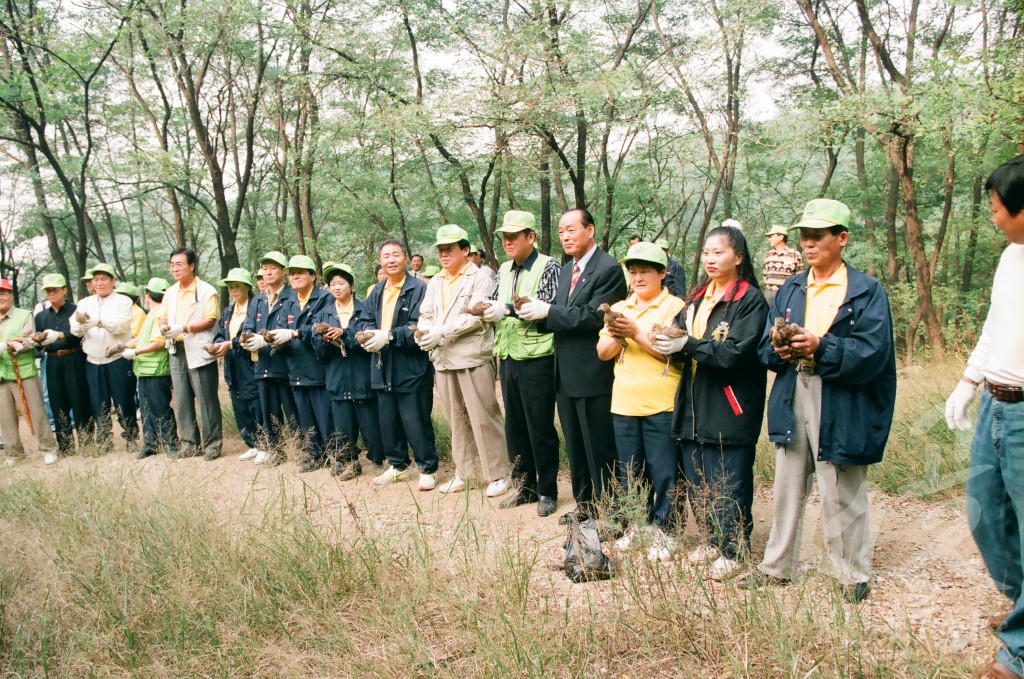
929, 580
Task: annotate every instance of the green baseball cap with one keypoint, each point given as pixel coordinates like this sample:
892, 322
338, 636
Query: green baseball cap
431, 271
102, 268
238, 275
650, 253
302, 262
330, 268
87, 275
662, 243
778, 230
275, 257
824, 213
54, 280
126, 288
450, 233
157, 285
516, 221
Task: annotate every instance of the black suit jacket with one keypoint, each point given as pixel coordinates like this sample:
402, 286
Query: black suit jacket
576, 322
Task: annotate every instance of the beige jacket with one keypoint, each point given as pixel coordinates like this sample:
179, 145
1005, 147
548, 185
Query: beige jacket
466, 341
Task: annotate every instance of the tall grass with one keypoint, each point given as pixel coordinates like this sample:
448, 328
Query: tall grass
100, 578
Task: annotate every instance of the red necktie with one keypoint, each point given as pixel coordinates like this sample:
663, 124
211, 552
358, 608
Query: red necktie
575, 276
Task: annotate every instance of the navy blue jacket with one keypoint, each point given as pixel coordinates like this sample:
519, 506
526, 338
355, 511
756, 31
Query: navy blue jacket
238, 366
401, 365
304, 370
723, 402
348, 378
857, 364
258, 318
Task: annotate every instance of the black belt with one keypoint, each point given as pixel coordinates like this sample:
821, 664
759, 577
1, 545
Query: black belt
1005, 392
806, 368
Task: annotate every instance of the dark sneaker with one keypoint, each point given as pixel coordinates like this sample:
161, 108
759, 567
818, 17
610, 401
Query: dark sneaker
346, 471
211, 454
856, 593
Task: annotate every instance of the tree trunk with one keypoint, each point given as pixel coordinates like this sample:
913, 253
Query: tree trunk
972, 238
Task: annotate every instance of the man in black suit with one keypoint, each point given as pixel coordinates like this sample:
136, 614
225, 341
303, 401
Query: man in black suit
583, 382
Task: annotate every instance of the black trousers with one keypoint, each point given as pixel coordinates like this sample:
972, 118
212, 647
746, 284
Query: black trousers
277, 406
406, 417
590, 444
352, 418
113, 383
720, 485
313, 408
68, 391
527, 390
159, 428
245, 399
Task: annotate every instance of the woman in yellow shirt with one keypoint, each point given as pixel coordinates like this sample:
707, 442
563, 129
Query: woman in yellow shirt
643, 394
721, 396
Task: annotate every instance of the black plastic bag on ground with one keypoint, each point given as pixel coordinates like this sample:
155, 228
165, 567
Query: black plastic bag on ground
584, 560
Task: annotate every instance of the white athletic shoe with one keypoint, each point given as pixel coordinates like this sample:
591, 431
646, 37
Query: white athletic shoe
723, 567
390, 475
428, 481
261, 457
50, 458
703, 554
496, 488
662, 548
454, 486
249, 454
624, 543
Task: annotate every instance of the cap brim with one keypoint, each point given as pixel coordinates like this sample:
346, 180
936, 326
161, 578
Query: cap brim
446, 241
626, 261
816, 223
513, 228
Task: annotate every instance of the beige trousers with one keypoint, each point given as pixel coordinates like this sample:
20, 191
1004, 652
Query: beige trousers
471, 406
10, 401
844, 499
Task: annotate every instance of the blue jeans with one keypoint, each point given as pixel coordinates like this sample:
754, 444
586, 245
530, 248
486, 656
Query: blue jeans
995, 505
649, 454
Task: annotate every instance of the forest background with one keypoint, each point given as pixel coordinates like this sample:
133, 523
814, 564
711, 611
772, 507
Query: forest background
320, 127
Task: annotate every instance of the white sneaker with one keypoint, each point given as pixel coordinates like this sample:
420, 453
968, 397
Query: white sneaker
623, 543
261, 457
454, 486
249, 454
496, 488
10, 461
662, 548
390, 475
428, 481
723, 567
50, 458
703, 554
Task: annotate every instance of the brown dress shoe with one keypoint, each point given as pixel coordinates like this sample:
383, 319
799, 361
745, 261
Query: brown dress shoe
995, 670
994, 621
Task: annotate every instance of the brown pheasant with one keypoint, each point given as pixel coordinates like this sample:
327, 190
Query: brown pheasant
115, 350
518, 302
416, 332
81, 317
477, 309
321, 330
363, 336
609, 319
671, 331
781, 334
37, 337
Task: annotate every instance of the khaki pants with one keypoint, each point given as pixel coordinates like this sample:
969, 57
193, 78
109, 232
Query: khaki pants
10, 401
844, 499
471, 406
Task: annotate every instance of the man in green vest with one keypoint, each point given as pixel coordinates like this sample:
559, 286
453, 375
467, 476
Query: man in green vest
19, 380
151, 364
527, 365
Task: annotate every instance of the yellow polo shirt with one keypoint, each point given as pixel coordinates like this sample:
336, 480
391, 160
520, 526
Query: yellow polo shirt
138, 320
389, 299
700, 317
344, 312
824, 300
641, 385
448, 283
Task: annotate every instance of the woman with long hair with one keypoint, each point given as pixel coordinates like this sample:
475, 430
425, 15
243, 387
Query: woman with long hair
720, 401
239, 364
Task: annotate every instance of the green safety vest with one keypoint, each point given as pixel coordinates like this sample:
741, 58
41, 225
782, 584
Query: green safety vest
27, 359
513, 337
154, 363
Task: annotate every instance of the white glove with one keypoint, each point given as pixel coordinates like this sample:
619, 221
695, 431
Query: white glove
173, 331
129, 354
958, 403
281, 336
430, 339
534, 311
255, 343
89, 325
3, 347
667, 346
14, 346
494, 312
27, 341
377, 342
51, 337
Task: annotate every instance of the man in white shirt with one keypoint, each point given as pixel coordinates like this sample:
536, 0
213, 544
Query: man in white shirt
995, 480
103, 320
